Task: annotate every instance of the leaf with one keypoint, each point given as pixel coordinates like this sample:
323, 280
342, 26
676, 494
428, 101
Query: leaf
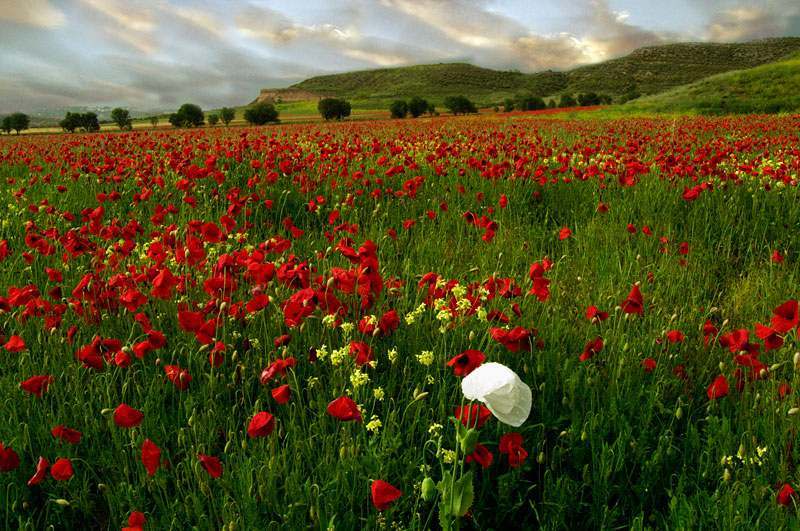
463, 495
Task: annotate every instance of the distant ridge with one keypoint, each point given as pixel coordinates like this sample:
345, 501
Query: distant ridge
646, 70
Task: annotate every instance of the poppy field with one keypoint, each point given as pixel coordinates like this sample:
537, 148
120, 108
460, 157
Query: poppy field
269, 328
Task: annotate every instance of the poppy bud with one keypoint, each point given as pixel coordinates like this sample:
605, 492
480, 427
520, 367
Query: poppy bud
420, 396
62, 502
722, 366
203, 348
472, 336
540, 458
727, 476
223, 306
797, 358
679, 413
428, 489
794, 411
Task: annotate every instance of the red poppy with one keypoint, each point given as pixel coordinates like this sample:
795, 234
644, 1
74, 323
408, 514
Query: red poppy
282, 394
784, 391
41, 471
343, 408
261, 425
633, 304
383, 494
282, 340
66, 434
466, 362
595, 315
718, 388
127, 417
474, 416
631, 229
15, 344
709, 331
62, 470
649, 364
481, 455
786, 496
180, 377
37, 384
211, 464
564, 233
511, 444
362, 352
786, 316
675, 336
777, 257
136, 522
514, 339
9, 460
217, 354
54, 275
277, 367
151, 456
592, 348
684, 248
771, 338
602, 207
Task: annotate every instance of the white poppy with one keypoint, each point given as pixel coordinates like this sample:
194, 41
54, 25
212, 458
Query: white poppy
497, 386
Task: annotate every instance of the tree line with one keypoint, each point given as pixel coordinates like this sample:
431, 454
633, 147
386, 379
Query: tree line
191, 115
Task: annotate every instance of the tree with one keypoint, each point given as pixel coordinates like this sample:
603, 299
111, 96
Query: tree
261, 114
398, 109
71, 121
18, 121
460, 105
212, 119
588, 99
226, 115
418, 106
154, 121
567, 100
6, 124
532, 103
89, 123
189, 115
121, 117
509, 105
333, 109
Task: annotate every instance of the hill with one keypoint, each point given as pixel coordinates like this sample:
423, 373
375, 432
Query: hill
765, 89
646, 70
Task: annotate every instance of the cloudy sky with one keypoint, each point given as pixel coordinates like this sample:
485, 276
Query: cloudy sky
161, 53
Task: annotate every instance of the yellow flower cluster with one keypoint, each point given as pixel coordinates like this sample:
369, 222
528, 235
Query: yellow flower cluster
425, 357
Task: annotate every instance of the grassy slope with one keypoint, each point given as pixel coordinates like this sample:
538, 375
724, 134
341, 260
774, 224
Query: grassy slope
769, 88
647, 70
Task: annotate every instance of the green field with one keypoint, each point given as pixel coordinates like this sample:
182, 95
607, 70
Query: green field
251, 327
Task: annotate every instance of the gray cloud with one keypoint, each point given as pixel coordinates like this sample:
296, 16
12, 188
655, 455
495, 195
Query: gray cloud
743, 24
34, 13
161, 53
